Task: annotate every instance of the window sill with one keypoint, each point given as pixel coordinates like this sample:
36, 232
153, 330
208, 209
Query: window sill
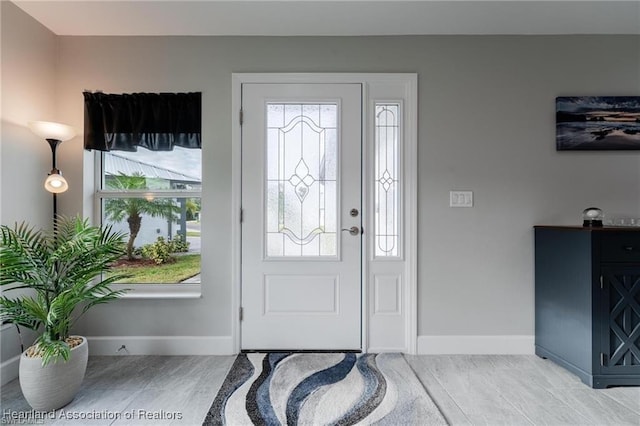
160, 291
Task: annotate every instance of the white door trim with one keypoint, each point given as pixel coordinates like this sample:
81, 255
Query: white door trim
370, 81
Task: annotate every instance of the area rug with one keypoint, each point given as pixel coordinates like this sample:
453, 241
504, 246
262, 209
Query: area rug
322, 389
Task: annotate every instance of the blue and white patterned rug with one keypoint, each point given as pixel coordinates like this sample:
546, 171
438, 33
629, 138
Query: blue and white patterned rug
322, 389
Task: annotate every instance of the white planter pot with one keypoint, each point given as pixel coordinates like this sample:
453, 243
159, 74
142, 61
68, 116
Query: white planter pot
55, 385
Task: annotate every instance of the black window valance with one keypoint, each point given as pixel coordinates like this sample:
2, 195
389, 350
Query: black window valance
156, 121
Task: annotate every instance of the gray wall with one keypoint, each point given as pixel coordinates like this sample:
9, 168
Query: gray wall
28, 93
486, 123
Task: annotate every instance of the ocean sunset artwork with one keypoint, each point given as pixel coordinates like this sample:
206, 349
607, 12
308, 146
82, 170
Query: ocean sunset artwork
597, 123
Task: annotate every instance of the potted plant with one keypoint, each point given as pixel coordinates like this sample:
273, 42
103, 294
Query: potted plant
60, 274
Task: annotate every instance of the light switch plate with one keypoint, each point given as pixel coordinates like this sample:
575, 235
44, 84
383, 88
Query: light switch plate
460, 198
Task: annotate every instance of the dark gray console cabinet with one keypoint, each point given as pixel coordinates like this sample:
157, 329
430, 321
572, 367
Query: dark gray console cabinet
587, 302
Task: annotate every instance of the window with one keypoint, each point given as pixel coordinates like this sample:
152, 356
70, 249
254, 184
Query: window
301, 202
154, 197
386, 169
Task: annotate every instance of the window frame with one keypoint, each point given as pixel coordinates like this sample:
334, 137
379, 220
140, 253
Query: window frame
143, 290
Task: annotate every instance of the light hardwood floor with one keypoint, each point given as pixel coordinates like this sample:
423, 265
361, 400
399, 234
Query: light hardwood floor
519, 390
469, 389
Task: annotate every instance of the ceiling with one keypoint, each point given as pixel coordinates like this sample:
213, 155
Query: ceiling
332, 17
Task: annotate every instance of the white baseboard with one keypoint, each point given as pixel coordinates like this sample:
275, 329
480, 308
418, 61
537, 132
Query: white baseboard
9, 370
384, 349
476, 345
161, 345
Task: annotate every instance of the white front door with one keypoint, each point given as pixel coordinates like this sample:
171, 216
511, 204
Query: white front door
301, 193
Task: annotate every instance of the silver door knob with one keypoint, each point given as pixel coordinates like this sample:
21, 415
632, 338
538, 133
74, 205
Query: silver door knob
354, 230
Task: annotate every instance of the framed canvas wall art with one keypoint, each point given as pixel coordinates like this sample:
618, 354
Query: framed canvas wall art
596, 123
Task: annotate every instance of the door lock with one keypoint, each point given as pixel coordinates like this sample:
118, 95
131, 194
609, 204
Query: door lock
354, 230
354, 212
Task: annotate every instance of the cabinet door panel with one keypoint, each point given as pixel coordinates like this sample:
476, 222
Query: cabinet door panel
620, 310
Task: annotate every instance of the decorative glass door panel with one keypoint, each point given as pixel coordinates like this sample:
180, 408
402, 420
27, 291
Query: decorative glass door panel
387, 192
302, 180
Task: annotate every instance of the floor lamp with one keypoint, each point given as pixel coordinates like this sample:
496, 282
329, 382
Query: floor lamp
55, 134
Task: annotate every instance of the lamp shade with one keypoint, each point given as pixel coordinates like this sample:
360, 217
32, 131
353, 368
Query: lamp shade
51, 130
55, 183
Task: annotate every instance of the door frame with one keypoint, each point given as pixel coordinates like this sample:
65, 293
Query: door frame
387, 86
